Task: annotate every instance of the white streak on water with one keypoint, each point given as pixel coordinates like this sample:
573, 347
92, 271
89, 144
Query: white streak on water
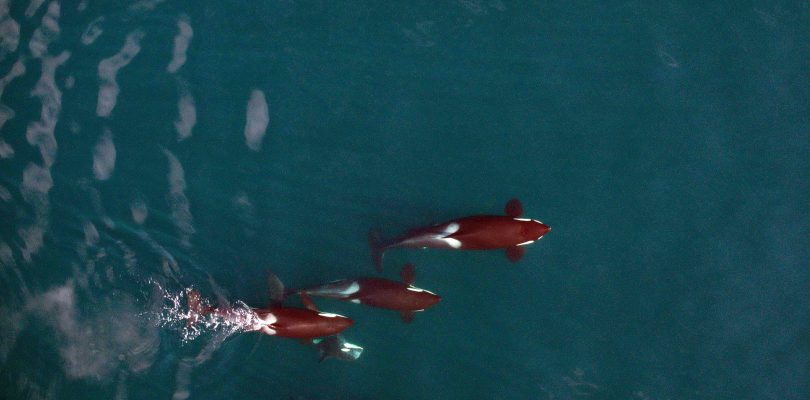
181, 42
139, 210
104, 156
257, 119
96, 345
17, 69
9, 31
187, 116
145, 5
33, 6
93, 31
6, 113
5, 195
108, 69
91, 235
37, 182
47, 32
181, 209
40, 133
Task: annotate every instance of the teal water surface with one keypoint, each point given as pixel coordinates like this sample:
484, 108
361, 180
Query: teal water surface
150, 146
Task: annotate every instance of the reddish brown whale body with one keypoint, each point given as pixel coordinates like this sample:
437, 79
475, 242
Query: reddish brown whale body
480, 232
381, 293
277, 320
301, 323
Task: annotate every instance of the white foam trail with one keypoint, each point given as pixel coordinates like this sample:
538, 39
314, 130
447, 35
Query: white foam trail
181, 209
47, 32
104, 156
96, 345
93, 31
18, 69
5, 195
11, 324
145, 5
40, 133
6, 113
181, 42
187, 116
91, 235
9, 31
33, 6
37, 182
139, 210
6, 151
175, 314
6, 254
107, 70
257, 119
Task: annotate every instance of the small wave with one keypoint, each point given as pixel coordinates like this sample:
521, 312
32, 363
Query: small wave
104, 155
181, 42
187, 116
9, 31
108, 69
93, 31
181, 209
257, 119
139, 210
47, 32
18, 69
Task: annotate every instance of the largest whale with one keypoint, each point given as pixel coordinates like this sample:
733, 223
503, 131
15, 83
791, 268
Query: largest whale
478, 232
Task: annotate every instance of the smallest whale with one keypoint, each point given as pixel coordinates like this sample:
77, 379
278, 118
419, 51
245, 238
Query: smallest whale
336, 347
478, 232
377, 292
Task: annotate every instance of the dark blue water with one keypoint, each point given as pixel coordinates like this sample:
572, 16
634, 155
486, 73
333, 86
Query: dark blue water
150, 146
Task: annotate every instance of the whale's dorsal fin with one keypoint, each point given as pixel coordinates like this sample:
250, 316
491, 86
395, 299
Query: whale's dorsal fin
275, 288
514, 208
408, 274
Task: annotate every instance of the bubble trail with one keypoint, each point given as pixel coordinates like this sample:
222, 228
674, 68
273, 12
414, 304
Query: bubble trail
176, 314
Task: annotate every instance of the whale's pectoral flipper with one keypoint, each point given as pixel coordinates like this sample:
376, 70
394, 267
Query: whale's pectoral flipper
515, 253
406, 316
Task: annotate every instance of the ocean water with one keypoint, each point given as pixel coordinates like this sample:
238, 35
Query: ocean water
150, 146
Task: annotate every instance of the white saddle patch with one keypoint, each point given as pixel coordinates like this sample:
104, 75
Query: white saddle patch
454, 243
355, 301
351, 289
328, 315
415, 289
451, 228
525, 243
524, 219
268, 319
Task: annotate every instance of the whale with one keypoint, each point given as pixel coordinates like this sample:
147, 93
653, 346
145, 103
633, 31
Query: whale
399, 296
510, 231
